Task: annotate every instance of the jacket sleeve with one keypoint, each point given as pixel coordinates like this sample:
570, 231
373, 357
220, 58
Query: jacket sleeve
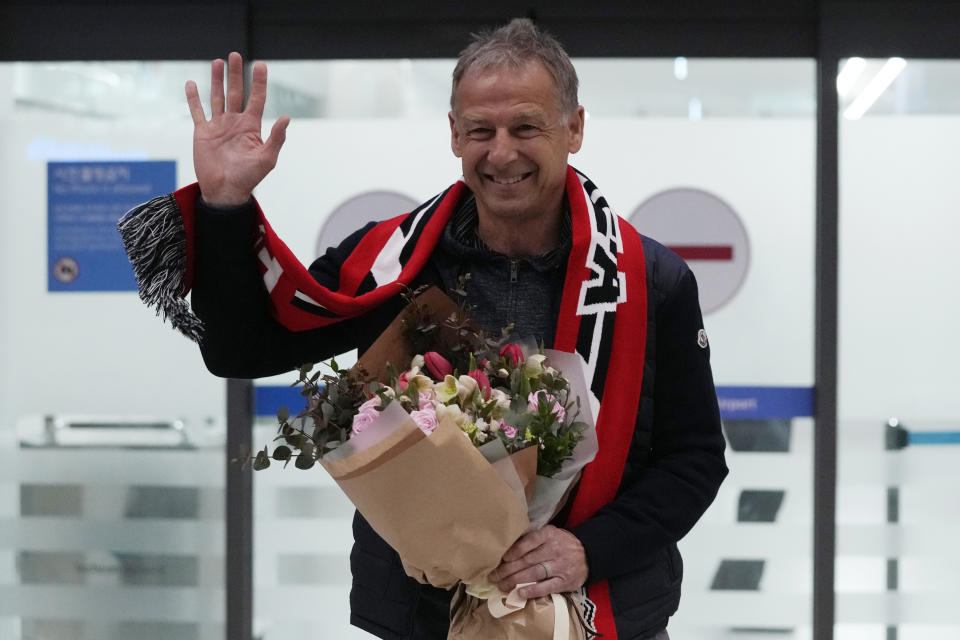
241, 338
658, 504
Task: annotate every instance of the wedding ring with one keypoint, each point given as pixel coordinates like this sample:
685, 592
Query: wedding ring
547, 573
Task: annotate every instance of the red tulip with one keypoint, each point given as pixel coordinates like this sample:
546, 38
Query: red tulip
437, 365
482, 381
513, 353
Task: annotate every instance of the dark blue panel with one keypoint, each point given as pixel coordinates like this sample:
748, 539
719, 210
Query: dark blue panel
268, 398
84, 202
760, 403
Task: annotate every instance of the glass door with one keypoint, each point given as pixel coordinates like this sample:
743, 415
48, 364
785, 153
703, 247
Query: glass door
111, 431
898, 568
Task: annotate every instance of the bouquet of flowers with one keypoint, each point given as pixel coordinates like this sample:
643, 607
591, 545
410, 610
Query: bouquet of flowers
491, 392
451, 458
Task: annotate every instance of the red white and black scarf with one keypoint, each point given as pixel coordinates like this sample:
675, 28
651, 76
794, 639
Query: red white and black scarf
603, 311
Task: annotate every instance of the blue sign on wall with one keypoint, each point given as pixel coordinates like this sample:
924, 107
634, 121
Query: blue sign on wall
84, 202
760, 403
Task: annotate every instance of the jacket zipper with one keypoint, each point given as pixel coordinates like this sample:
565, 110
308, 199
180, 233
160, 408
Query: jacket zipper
514, 268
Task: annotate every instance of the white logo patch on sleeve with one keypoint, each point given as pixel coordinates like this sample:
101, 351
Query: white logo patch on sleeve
702, 339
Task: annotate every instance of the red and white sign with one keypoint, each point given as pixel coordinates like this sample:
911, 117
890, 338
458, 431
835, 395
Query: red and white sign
706, 232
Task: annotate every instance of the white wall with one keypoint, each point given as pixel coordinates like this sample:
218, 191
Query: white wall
91, 353
900, 269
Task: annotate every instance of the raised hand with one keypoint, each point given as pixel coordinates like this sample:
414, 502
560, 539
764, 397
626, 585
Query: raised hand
229, 156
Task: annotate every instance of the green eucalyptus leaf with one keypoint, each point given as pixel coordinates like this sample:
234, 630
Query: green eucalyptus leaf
283, 414
281, 453
327, 409
306, 447
304, 462
262, 461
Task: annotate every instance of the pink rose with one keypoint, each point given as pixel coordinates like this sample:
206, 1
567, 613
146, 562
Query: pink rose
426, 419
533, 402
426, 400
513, 353
437, 365
403, 380
366, 413
510, 432
482, 381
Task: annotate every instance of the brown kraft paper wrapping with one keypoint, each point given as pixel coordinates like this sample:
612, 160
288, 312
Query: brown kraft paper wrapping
437, 502
472, 620
525, 462
392, 347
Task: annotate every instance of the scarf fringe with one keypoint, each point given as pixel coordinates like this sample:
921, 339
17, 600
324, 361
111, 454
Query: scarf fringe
156, 243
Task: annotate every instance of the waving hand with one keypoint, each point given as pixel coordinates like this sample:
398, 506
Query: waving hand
229, 156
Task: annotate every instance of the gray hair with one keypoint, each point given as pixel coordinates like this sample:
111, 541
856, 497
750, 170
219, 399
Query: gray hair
513, 46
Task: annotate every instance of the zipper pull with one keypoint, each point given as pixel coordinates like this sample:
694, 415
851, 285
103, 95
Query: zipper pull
514, 268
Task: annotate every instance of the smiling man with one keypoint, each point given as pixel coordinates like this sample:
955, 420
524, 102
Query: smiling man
543, 250
513, 132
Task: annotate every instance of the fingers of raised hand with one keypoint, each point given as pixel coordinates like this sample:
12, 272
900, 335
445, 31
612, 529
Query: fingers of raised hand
258, 90
193, 101
278, 134
234, 83
216, 88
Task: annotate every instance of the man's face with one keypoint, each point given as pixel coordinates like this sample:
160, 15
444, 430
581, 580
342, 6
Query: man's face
513, 141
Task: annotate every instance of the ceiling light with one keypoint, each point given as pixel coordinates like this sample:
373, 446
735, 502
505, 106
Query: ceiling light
680, 68
852, 69
875, 88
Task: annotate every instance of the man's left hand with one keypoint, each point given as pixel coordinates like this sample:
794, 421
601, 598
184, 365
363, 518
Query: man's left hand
551, 557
